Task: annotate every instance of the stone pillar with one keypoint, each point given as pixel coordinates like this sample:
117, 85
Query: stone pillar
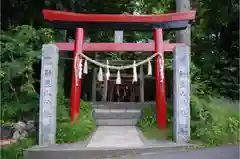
48, 95
181, 81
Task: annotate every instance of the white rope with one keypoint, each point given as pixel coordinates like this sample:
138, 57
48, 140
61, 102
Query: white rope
108, 66
75, 70
116, 67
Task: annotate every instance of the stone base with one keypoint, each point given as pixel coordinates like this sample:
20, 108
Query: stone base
74, 151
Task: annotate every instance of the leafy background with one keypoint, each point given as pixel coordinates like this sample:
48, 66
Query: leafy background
214, 67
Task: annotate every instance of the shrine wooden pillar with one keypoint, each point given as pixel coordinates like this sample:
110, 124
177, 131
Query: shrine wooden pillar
94, 82
141, 84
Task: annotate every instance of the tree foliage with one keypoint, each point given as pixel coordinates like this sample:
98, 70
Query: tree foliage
215, 35
216, 45
20, 49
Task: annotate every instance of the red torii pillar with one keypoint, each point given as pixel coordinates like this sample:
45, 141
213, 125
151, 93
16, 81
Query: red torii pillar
76, 87
161, 107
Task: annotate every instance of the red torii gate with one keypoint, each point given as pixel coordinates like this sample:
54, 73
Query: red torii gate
172, 21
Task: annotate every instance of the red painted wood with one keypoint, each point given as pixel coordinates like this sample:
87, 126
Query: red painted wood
76, 89
118, 47
161, 107
7, 142
53, 15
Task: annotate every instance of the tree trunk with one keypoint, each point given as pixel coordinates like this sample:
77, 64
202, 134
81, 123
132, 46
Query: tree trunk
183, 36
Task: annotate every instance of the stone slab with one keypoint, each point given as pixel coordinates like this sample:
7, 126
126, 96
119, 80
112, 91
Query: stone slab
116, 136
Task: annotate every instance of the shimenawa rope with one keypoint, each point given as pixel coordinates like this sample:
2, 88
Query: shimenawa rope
102, 65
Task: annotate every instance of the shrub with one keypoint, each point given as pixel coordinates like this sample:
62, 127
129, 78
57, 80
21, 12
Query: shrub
26, 107
20, 49
214, 121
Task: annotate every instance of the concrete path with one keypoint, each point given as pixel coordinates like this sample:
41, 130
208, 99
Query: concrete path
115, 136
226, 152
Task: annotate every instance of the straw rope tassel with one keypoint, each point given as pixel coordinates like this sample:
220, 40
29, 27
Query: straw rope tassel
134, 72
85, 67
149, 68
118, 80
100, 74
108, 71
79, 70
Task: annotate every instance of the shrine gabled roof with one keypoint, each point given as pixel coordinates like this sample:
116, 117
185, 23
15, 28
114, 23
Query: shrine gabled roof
69, 20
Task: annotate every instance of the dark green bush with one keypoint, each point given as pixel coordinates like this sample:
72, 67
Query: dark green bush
20, 49
26, 107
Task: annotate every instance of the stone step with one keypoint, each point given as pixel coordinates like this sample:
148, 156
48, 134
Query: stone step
116, 113
121, 105
116, 122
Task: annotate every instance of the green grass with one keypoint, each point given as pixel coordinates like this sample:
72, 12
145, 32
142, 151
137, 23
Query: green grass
15, 151
157, 134
67, 131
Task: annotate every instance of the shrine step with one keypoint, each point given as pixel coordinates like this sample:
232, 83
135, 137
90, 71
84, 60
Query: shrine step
116, 113
116, 122
121, 105
116, 117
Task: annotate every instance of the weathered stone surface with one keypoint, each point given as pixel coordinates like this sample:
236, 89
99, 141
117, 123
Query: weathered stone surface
112, 136
20, 126
20, 135
6, 131
17, 131
30, 127
48, 95
181, 94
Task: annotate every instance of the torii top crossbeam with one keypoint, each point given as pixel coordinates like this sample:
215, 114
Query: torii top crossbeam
68, 20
